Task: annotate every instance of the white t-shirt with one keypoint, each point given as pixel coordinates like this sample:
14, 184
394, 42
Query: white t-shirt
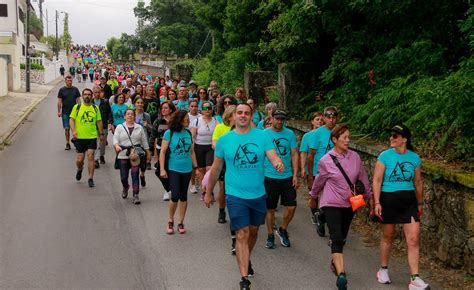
204, 130
192, 119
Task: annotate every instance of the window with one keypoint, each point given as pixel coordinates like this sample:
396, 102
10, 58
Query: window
3, 10
21, 15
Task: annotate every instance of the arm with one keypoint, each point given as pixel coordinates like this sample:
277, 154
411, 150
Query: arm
377, 186
294, 164
275, 160
60, 106
303, 156
213, 175
72, 124
418, 180
194, 134
164, 148
311, 154
193, 157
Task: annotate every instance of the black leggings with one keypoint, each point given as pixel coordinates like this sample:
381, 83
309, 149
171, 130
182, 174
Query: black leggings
164, 181
338, 220
179, 183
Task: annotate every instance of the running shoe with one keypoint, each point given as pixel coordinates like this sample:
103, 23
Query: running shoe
341, 282
91, 182
142, 181
221, 218
181, 229
125, 192
198, 189
102, 160
313, 219
136, 200
382, 276
244, 284
270, 242
166, 196
79, 174
170, 228
250, 270
192, 189
416, 283
284, 237
320, 229
232, 249
96, 164
68, 146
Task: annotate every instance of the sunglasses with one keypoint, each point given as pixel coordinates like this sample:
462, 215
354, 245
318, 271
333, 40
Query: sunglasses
394, 135
206, 108
227, 102
330, 114
202, 93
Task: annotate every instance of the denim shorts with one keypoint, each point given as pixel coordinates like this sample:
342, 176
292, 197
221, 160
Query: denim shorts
246, 212
65, 118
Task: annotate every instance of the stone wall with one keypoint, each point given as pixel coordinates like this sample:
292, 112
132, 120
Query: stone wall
255, 83
184, 71
36, 76
448, 221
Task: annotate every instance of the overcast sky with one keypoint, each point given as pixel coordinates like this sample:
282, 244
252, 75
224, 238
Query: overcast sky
91, 21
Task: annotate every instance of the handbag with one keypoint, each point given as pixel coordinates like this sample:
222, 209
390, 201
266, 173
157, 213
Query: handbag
117, 162
357, 190
136, 154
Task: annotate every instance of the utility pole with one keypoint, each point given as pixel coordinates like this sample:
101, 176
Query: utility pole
47, 23
40, 5
27, 68
57, 39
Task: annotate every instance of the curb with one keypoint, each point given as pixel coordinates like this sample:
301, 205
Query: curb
24, 116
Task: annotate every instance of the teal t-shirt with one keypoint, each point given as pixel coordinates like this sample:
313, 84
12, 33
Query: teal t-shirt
244, 156
321, 142
180, 151
182, 105
399, 170
219, 118
304, 147
283, 142
118, 113
260, 125
257, 117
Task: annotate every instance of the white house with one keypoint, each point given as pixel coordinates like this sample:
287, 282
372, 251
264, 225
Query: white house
12, 43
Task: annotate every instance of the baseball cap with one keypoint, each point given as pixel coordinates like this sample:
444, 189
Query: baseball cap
400, 129
279, 114
191, 82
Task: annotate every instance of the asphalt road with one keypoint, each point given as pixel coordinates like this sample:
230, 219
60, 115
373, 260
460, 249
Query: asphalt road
59, 233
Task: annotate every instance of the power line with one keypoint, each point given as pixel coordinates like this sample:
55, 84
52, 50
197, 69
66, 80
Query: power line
202, 46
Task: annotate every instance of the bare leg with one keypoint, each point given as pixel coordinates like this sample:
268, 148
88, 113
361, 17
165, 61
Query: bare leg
242, 250
172, 210
388, 232
80, 161
288, 215
90, 164
338, 260
270, 220
252, 238
412, 236
221, 197
67, 134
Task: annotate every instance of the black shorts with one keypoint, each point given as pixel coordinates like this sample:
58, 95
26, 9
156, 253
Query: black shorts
280, 189
204, 155
399, 207
82, 145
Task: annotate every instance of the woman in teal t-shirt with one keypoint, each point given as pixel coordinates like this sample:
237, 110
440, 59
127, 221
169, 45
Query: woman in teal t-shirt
398, 199
118, 110
178, 143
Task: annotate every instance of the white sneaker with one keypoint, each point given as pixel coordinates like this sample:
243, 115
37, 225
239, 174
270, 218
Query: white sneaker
166, 196
198, 189
192, 188
418, 284
382, 276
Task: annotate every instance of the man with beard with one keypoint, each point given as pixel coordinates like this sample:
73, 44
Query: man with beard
85, 120
68, 96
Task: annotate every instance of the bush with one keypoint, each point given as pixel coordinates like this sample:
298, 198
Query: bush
34, 66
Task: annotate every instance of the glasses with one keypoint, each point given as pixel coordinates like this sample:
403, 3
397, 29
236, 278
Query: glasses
206, 108
330, 114
227, 102
202, 93
87, 94
394, 135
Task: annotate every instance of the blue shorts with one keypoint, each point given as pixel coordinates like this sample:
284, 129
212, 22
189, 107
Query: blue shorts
65, 118
246, 212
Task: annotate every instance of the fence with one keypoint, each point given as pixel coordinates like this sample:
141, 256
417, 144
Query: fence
51, 68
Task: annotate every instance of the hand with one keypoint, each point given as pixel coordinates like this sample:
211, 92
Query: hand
312, 203
163, 174
102, 139
117, 148
420, 210
59, 114
309, 182
208, 200
378, 210
111, 128
295, 181
280, 167
303, 172
74, 135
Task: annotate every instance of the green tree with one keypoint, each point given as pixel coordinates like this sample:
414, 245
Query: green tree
66, 38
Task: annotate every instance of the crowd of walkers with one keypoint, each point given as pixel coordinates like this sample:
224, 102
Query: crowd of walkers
195, 137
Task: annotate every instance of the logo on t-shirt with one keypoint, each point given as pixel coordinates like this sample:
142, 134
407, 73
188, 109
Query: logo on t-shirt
328, 147
182, 147
246, 156
281, 146
119, 114
152, 108
402, 172
87, 117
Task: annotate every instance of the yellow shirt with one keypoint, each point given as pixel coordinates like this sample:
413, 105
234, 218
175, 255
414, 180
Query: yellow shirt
220, 130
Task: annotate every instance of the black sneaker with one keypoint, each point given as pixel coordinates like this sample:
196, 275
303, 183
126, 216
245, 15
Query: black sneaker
142, 181
91, 182
148, 166
341, 281
79, 174
251, 272
232, 250
270, 244
102, 160
96, 164
136, 200
244, 284
68, 146
125, 192
320, 229
284, 237
221, 218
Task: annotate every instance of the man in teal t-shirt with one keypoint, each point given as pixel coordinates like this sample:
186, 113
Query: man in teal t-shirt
243, 150
319, 145
281, 185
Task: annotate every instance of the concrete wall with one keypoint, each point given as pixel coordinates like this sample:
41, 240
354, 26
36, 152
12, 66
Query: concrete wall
3, 78
447, 234
255, 83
